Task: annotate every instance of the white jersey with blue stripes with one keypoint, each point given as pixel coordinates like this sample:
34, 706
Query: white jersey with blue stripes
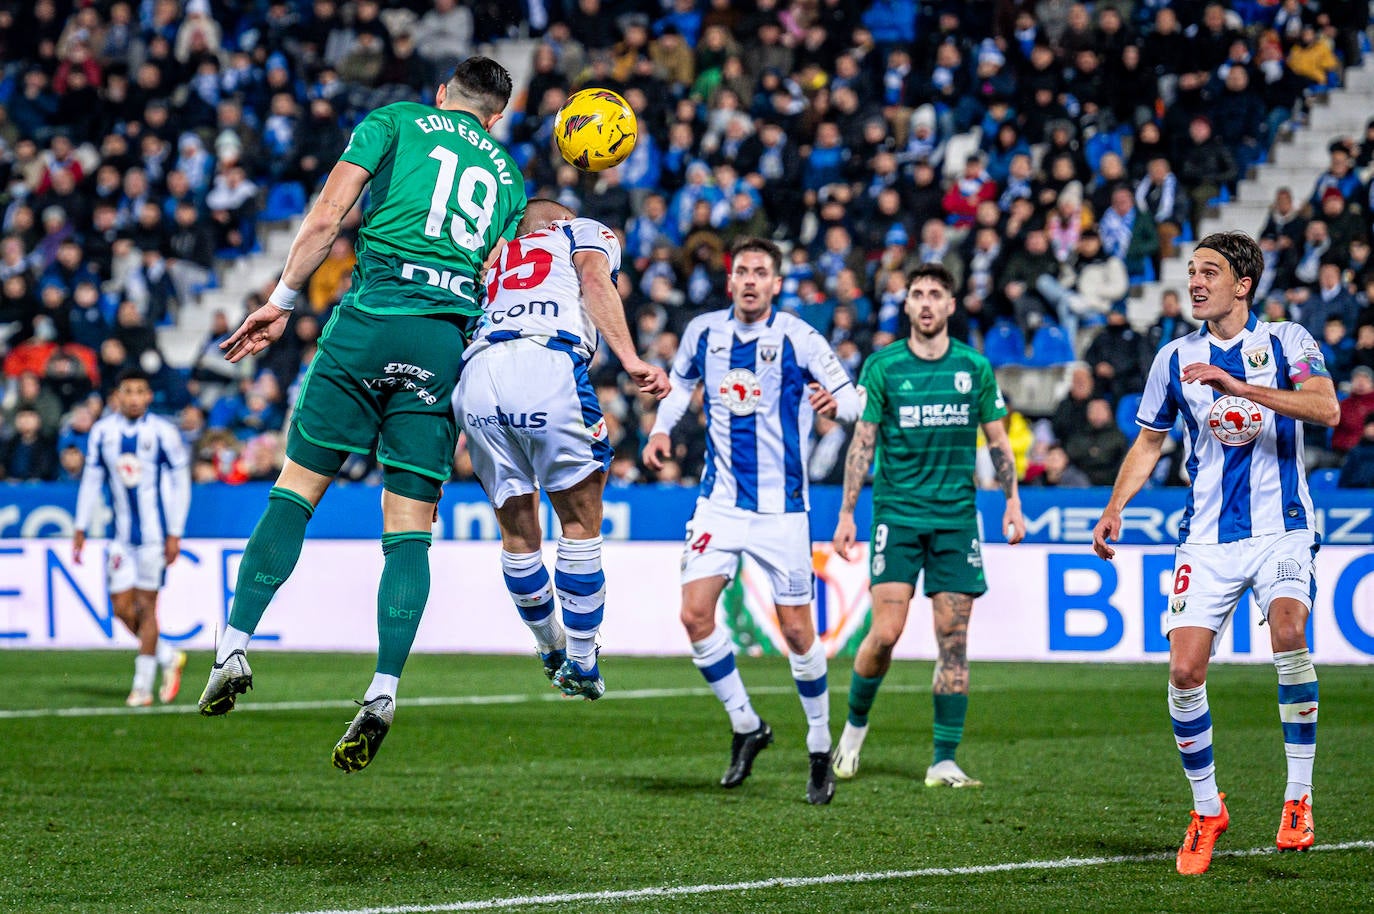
1246, 460
758, 418
534, 289
144, 466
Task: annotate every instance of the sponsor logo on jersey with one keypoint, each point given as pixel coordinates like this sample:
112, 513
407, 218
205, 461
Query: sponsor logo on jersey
524, 309
933, 415
129, 469
1235, 421
460, 285
1257, 358
504, 419
598, 431
963, 381
740, 391
906, 386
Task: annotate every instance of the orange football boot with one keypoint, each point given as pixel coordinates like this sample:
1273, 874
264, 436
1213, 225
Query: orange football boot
1201, 838
1295, 830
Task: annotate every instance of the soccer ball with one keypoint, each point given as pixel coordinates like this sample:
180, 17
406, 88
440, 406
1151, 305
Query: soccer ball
595, 129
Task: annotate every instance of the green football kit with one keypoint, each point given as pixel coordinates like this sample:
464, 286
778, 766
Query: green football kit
927, 414
443, 194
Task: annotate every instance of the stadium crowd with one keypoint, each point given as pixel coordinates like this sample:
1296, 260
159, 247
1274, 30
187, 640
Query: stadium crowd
1048, 153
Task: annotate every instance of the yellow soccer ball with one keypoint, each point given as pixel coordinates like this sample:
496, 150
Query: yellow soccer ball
595, 129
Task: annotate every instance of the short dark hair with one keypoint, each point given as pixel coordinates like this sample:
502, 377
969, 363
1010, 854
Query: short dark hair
761, 245
133, 374
935, 271
1242, 253
482, 83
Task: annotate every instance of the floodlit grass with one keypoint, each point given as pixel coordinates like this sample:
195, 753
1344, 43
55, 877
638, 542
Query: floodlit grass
499, 790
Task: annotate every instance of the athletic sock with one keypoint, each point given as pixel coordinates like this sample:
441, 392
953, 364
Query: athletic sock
948, 727
401, 597
863, 690
714, 655
166, 654
581, 586
808, 671
1192, 720
527, 581
270, 556
230, 640
1298, 714
145, 672
382, 684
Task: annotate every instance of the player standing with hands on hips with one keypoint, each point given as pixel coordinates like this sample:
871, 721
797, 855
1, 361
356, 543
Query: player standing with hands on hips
445, 196
766, 374
533, 421
927, 396
1244, 388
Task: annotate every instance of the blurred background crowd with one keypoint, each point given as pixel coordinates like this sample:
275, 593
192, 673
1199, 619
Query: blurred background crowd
1048, 153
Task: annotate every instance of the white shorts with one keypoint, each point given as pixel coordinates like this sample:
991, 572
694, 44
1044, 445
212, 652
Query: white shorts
1210, 578
781, 543
134, 567
532, 419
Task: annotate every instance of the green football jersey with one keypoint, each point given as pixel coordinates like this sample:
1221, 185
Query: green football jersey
443, 193
928, 414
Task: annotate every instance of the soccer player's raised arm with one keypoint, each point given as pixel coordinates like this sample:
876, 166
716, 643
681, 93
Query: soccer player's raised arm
1135, 470
265, 326
602, 301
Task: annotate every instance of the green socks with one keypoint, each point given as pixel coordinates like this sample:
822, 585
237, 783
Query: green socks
862, 692
950, 711
401, 597
269, 557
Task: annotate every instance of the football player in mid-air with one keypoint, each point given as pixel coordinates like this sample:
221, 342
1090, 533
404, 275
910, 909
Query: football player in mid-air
1244, 388
766, 374
532, 420
445, 196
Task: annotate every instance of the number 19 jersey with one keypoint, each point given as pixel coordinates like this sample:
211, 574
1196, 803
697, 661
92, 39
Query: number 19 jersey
443, 194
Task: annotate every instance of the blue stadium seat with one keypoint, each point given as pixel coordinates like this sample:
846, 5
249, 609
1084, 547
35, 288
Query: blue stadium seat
1125, 415
1328, 478
284, 201
1051, 346
1004, 344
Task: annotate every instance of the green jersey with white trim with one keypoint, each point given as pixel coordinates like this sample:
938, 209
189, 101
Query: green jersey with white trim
443, 194
927, 413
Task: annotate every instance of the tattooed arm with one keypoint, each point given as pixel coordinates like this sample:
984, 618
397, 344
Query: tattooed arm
856, 464
1004, 468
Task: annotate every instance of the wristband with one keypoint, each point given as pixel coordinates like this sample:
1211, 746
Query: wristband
283, 296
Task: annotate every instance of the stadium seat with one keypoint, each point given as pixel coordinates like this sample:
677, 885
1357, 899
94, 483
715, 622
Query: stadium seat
1125, 415
1004, 344
1051, 346
284, 201
1328, 478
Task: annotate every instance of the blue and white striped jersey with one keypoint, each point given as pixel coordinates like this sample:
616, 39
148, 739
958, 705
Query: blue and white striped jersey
145, 467
1245, 461
758, 418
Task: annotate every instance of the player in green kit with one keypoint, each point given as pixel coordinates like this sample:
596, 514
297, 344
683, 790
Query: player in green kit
444, 198
927, 397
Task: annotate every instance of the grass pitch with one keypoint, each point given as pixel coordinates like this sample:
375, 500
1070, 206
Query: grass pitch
491, 793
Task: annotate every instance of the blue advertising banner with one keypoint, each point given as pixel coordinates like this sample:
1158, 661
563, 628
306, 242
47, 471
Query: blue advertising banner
654, 513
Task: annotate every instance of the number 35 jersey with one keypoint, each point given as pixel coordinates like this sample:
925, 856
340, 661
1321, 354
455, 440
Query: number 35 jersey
443, 193
1244, 459
534, 290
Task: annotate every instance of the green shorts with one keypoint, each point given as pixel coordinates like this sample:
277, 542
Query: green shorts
384, 384
951, 559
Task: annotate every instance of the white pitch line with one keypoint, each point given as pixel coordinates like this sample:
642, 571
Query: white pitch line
793, 882
436, 701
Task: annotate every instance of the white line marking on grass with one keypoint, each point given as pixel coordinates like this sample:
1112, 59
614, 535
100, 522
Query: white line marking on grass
436, 701
794, 882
